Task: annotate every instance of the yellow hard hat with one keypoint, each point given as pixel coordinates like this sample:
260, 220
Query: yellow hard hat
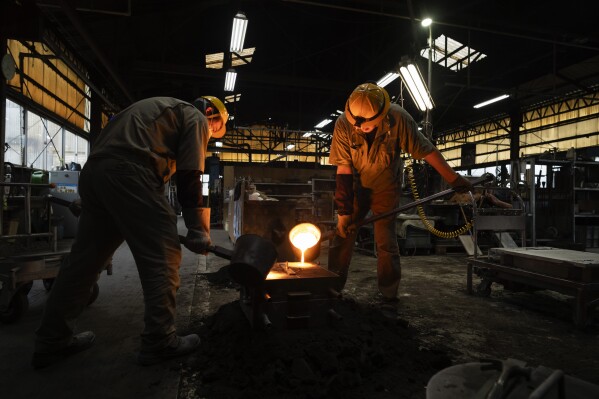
212, 107
367, 105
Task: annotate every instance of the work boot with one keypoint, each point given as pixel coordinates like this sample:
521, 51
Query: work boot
388, 307
182, 346
79, 342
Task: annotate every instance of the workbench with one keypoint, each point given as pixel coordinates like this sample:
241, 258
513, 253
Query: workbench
566, 271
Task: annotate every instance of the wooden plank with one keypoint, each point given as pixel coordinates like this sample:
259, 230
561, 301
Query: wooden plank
562, 263
550, 254
468, 244
506, 240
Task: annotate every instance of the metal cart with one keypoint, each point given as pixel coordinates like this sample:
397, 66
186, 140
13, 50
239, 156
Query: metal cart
569, 272
27, 262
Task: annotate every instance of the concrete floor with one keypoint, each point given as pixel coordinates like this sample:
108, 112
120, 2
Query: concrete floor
433, 301
109, 368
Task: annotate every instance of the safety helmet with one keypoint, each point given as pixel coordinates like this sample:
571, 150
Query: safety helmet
212, 107
367, 105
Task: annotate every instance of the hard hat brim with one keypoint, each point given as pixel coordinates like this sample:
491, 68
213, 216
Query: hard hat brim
222, 112
374, 122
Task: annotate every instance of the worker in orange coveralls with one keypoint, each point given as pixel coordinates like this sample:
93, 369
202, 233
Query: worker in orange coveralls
368, 140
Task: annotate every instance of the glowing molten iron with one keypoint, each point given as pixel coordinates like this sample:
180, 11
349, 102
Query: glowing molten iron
304, 236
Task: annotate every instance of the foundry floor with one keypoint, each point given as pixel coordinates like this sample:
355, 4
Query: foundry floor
536, 328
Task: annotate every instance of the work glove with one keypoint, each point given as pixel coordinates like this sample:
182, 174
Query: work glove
461, 185
197, 221
343, 225
75, 207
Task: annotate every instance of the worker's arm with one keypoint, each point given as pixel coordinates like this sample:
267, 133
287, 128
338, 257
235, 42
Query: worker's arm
344, 190
455, 180
344, 198
493, 200
197, 218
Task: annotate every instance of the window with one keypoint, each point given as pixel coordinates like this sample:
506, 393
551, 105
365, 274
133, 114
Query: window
75, 149
14, 142
39, 143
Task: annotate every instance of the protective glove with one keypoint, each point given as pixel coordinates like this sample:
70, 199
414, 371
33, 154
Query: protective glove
197, 221
461, 185
75, 207
343, 223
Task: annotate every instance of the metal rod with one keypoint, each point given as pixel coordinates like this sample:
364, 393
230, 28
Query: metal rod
331, 234
485, 178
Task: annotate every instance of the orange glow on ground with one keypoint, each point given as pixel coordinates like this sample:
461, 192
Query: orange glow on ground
283, 270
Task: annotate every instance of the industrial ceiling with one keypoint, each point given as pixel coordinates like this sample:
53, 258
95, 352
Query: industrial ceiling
309, 55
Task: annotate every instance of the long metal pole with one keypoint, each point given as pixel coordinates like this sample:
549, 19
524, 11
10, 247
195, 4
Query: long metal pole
429, 133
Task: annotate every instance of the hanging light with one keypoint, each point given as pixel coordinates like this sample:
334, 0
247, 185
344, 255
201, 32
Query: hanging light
323, 123
388, 78
230, 78
412, 78
240, 24
491, 101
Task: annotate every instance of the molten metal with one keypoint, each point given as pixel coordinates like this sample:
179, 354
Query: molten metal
304, 236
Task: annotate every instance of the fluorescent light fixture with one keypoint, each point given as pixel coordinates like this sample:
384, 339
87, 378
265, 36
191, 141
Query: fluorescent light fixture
230, 78
290, 146
388, 78
339, 112
307, 134
491, 101
323, 123
240, 24
410, 75
426, 22
218, 143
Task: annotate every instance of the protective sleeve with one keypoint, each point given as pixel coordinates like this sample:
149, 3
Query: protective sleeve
189, 188
344, 194
437, 161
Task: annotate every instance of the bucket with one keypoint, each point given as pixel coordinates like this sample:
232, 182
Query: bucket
252, 259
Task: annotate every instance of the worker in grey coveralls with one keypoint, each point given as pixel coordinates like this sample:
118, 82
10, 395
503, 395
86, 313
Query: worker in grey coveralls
367, 142
123, 199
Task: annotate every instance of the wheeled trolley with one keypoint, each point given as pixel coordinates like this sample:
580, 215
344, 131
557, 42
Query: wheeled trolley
569, 272
28, 256
18, 272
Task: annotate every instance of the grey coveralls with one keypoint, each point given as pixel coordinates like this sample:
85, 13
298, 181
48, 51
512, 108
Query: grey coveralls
123, 198
376, 173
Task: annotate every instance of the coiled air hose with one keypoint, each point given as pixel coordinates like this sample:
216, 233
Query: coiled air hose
427, 224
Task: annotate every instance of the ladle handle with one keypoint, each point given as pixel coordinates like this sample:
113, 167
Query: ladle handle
221, 252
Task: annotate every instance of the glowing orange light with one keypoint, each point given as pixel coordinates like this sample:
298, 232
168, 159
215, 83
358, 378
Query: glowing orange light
304, 236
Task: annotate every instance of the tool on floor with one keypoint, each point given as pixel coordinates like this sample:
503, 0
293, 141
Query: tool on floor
507, 379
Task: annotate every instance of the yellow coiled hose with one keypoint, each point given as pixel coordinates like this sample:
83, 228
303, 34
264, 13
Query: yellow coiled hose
427, 224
